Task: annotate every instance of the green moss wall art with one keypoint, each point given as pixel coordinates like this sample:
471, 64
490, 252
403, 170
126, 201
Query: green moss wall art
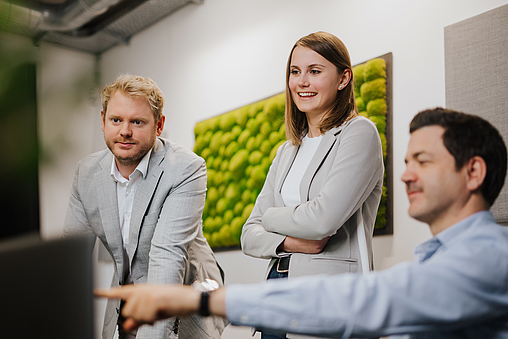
239, 147
373, 98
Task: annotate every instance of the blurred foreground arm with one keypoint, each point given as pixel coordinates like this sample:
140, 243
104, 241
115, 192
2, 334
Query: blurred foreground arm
145, 304
467, 280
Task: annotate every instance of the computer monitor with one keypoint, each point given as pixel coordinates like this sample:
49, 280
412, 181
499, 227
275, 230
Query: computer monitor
46, 288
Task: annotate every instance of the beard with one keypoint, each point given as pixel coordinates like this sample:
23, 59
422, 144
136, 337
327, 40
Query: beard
135, 155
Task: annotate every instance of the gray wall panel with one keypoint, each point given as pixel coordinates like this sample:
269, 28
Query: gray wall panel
476, 72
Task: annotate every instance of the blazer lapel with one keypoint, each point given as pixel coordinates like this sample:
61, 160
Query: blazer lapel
108, 208
144, 192
326, 144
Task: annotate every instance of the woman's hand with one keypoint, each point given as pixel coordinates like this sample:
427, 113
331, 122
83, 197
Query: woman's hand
298, 245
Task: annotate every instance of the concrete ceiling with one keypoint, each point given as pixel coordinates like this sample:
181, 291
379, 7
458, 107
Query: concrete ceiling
92, 26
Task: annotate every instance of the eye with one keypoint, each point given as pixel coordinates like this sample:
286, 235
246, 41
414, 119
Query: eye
315, 71
137, 122
295, 72
115, 120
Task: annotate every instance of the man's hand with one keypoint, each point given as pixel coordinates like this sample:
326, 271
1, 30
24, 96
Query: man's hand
145, 304
298, 245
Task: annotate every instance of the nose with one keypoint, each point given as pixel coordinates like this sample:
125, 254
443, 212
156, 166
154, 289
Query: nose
409, 175
125, 130
303, 80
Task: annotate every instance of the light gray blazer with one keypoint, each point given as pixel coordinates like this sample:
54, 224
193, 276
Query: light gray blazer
166, 239
342, 185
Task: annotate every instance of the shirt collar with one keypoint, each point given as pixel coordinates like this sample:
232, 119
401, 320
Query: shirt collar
141, 168
451, 234
425, 250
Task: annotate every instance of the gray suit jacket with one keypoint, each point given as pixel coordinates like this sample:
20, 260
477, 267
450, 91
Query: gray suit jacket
341, 187
166, 240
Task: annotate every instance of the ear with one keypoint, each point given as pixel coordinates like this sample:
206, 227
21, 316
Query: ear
160, 125
345, 79
102, 120
476, 171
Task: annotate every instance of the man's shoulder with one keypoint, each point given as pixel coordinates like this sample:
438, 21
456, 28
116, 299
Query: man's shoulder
91, 161
483, 249
484, 232
173, 150
494, 231
484, 222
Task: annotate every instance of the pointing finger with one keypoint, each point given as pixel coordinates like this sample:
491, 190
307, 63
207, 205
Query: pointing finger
114, 293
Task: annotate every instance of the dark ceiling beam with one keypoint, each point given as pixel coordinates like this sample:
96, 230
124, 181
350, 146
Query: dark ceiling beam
100, 22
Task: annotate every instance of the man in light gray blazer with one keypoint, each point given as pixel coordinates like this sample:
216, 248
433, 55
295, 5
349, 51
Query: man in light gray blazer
143, 198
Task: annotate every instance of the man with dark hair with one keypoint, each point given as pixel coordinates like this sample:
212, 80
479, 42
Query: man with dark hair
457, 288
464, 137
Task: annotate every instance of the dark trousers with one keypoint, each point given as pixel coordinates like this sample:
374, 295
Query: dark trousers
274, 275
122, 334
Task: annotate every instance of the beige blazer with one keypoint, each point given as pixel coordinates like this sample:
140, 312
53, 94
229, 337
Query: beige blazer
341, 187
166, 239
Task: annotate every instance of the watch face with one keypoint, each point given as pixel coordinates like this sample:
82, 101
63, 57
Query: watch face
205, 285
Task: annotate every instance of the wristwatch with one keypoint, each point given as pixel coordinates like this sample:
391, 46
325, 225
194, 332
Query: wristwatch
204, 304
206, 287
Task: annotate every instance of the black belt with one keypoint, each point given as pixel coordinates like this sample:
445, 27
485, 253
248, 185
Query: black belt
283, 265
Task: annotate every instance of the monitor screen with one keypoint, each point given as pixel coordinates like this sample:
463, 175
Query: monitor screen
46, 288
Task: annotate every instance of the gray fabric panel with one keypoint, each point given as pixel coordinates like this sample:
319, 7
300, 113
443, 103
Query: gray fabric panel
476, 72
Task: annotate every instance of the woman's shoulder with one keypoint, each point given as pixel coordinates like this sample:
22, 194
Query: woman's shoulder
286, 145
360, 121
357, 123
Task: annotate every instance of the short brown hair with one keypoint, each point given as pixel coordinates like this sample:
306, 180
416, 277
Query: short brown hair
332, 49
135, 86
465, 137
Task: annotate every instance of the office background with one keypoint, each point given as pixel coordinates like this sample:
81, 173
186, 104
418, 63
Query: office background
213, 57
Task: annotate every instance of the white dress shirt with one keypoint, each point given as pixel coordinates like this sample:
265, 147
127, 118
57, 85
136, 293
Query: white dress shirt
126, 190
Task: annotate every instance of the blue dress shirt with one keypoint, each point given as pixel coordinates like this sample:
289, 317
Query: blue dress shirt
457, 288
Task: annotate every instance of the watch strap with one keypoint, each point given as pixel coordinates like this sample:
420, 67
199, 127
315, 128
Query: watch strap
204, 304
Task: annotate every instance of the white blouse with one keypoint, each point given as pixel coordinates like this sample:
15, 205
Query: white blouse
291, 187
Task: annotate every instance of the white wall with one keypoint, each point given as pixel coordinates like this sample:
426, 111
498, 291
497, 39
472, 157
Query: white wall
223, 54
69, 126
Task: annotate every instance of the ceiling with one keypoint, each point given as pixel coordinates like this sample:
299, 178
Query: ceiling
92, 26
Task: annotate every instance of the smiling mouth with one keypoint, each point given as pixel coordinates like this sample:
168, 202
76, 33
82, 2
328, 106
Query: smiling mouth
307, 94
125, 144
413, 192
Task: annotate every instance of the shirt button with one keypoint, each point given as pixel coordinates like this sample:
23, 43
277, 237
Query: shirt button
244, 318
294, 323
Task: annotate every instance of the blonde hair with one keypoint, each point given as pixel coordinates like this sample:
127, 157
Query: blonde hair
135, 86
344, 108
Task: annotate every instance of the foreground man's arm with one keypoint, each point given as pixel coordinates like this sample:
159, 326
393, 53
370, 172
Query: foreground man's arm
146, 304
466, 280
